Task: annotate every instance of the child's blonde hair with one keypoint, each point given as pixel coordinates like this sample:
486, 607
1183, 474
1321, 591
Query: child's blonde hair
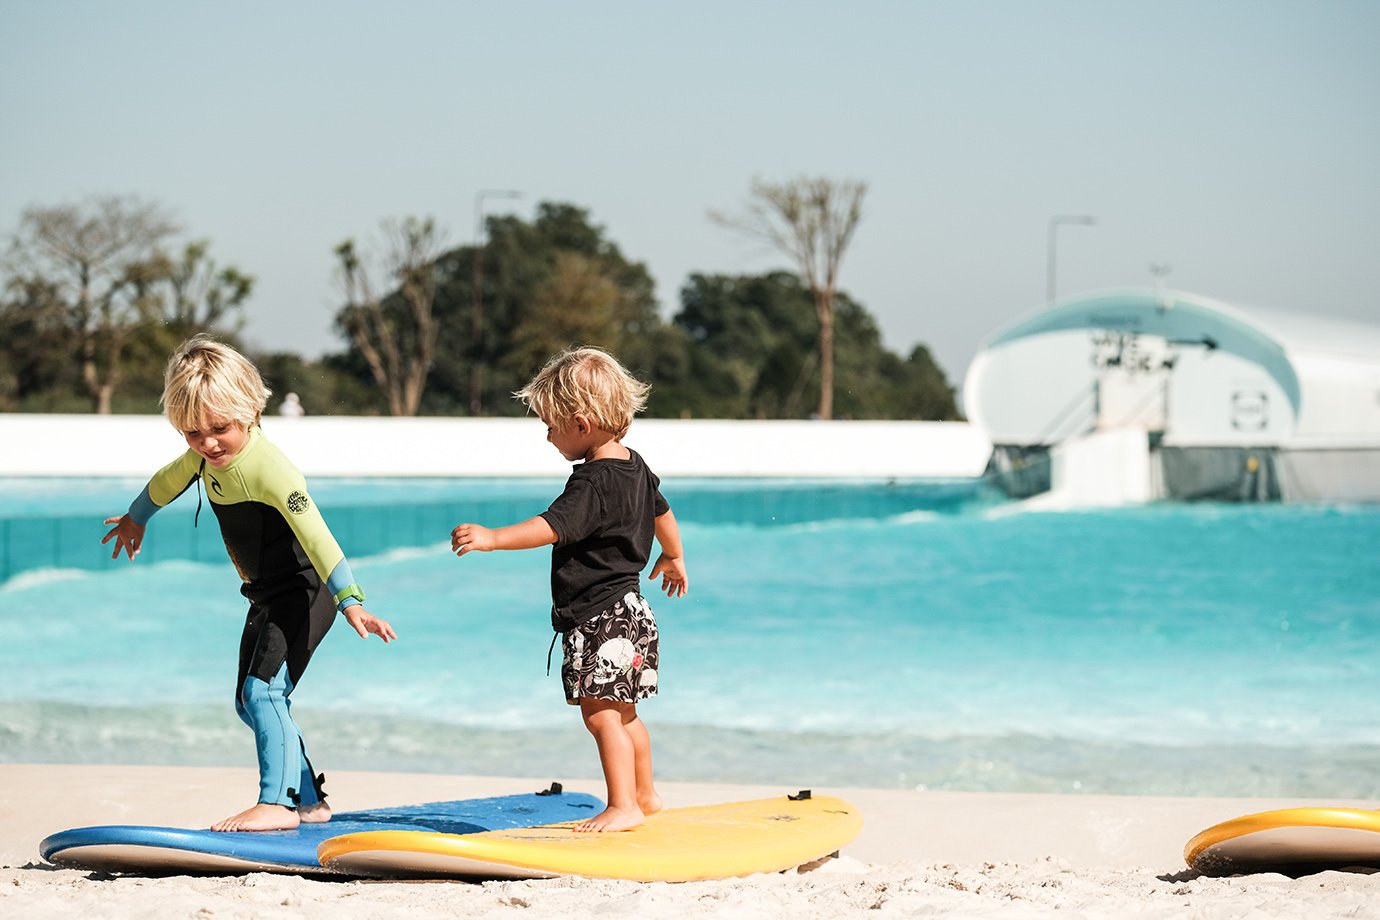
207, 379
585, 381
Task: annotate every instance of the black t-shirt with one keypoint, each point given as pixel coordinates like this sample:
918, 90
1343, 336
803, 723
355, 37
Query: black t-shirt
604, 521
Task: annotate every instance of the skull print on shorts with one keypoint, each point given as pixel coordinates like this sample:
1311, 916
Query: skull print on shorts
612, 656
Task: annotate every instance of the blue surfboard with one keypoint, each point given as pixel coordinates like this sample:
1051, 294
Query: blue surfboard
176, 850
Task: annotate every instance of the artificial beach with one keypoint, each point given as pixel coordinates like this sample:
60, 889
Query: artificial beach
930, 844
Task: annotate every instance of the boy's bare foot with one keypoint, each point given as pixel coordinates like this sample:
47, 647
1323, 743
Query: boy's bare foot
611, 819
315, 813
262, 817
650, 805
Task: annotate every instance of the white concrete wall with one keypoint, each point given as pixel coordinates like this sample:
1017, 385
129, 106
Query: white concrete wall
126, 445
1105, 469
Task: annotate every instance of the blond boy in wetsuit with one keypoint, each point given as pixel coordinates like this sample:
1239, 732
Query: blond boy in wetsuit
600, 530
294, 574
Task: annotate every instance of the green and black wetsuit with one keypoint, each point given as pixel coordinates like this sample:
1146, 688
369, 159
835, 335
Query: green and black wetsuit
295, 577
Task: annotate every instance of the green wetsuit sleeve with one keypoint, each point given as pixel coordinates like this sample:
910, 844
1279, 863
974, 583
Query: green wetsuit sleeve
281, 486
166, 484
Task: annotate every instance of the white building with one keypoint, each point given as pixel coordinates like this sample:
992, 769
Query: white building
1200, 398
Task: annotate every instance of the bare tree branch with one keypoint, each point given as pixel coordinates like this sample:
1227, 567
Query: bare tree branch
397, 341
202, 295
99, 256
811, 220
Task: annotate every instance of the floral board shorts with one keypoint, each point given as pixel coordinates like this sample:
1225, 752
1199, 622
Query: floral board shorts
612, 656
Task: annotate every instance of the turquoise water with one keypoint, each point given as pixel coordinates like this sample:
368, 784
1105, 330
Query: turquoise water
870, 634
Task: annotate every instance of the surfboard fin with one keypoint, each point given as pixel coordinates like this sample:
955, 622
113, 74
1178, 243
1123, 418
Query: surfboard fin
800, 796
556, 789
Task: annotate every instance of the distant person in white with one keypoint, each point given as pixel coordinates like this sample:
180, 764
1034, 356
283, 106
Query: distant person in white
291, 407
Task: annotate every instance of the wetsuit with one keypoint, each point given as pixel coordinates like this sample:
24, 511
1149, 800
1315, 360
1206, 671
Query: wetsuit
295, 577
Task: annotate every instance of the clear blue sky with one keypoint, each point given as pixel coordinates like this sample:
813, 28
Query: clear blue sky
1238, 141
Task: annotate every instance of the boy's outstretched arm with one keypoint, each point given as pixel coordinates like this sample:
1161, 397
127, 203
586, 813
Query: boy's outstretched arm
670, 565
364, 623
128, 535
476, 537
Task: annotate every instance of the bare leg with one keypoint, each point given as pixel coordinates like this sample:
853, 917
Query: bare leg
647, 798
260, 817
617, 756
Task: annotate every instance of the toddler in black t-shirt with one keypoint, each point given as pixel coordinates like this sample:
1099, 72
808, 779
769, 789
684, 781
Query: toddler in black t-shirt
600, 529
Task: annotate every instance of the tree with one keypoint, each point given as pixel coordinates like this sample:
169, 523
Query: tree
181, 296
876, 383
97, 261
396, 335
561, 272
925, 390
578, 303
323, 387
749, 353
201, 296
753, 339
548, 283
811, 220
36, 347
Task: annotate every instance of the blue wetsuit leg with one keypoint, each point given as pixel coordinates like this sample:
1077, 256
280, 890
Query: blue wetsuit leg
263, 706
308, 783
280, 635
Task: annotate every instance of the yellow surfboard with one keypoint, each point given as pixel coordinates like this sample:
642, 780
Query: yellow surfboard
1293, 841
676, 845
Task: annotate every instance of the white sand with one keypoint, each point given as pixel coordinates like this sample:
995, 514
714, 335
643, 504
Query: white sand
921, 854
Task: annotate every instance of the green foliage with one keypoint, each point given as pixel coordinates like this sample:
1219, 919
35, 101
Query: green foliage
875, 383
811, 220
395, 334
752, 338
752, 354
327, 387
547, 284
738, 346
93, 302
924, 391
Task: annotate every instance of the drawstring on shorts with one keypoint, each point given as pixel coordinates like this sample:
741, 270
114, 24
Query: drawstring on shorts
549, 649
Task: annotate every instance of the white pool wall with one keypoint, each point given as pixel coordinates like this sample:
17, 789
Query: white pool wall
136, 445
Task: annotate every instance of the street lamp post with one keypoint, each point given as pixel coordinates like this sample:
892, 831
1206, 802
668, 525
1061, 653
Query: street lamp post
477, 317
1050, 244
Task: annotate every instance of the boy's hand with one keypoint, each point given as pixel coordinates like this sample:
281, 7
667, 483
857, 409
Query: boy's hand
674, 581
470, 537
128, 535
365, 623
